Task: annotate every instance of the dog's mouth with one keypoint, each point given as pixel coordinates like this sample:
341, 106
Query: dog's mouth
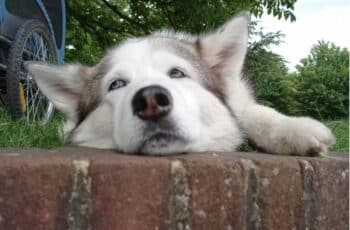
161, 137
159, 141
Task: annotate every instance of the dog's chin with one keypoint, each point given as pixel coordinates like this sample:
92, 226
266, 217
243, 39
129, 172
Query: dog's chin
163, 144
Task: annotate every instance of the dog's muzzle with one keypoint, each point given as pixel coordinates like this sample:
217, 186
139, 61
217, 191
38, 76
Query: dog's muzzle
152, 103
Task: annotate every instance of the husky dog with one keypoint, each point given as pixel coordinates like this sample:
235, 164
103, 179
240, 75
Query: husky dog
171, 93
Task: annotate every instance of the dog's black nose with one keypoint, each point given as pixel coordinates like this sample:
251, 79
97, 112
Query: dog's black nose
152, 102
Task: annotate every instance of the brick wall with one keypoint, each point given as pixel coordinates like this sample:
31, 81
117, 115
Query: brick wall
78, 188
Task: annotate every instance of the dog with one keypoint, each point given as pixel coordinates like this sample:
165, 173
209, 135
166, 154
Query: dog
173, 92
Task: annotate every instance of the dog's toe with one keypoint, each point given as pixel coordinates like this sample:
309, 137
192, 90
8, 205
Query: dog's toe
304, 137
317, 138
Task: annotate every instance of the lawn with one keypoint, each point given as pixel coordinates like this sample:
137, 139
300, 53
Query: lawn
20, 134
340, 129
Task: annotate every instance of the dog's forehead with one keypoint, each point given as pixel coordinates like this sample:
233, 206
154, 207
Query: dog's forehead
140, 51
137, 53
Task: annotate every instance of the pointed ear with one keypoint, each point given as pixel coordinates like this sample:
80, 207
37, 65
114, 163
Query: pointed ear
62, 85
224, 49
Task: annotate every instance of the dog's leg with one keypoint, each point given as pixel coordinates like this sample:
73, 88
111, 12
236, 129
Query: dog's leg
277, 133
224, 51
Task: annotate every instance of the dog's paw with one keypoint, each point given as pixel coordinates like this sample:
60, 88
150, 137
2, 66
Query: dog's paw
303, 136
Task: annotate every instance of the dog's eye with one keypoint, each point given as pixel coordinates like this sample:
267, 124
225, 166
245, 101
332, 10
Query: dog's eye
116, 84
176, 73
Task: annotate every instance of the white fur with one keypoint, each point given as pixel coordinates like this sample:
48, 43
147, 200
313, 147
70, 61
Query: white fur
51, 78
198, 116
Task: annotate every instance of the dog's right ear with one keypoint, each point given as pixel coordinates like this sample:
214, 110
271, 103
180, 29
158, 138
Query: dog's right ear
62, 85
225, 48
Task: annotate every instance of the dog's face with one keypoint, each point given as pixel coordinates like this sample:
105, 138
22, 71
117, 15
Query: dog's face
161, 94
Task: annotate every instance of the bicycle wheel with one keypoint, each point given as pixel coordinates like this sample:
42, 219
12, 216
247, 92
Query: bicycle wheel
33, 42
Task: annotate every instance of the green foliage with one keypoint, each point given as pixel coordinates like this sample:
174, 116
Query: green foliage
85, 49
94, 26
319, 88
268, 73
323, 82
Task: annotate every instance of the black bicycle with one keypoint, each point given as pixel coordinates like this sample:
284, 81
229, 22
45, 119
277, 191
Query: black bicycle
30, 30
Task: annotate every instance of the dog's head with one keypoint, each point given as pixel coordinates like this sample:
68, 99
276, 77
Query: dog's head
160, 94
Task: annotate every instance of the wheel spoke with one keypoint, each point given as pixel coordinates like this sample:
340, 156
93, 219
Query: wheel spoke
30, 103
33, 97
36, 107
27, 94
36, 48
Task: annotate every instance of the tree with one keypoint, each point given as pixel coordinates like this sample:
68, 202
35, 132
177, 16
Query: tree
323, 82
96, 25
268, 72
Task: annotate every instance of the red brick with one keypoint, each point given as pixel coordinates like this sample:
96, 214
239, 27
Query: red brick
217, 191
129, 192
331, 192
225, 191
280, 196
34, 192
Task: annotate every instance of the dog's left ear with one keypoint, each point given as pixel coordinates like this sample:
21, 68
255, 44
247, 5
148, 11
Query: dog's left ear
224, 50
61, 84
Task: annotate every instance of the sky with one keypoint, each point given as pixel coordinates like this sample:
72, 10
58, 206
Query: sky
315, 20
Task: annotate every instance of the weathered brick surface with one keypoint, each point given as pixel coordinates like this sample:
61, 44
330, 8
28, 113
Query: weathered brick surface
280, 197
34, 192
79, 188
217, 192
331, 183
129, 192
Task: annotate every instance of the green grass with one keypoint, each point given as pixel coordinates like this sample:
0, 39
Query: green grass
20, 134
341, 131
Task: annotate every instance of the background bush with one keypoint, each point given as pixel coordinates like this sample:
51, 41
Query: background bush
319, 88
323, 82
